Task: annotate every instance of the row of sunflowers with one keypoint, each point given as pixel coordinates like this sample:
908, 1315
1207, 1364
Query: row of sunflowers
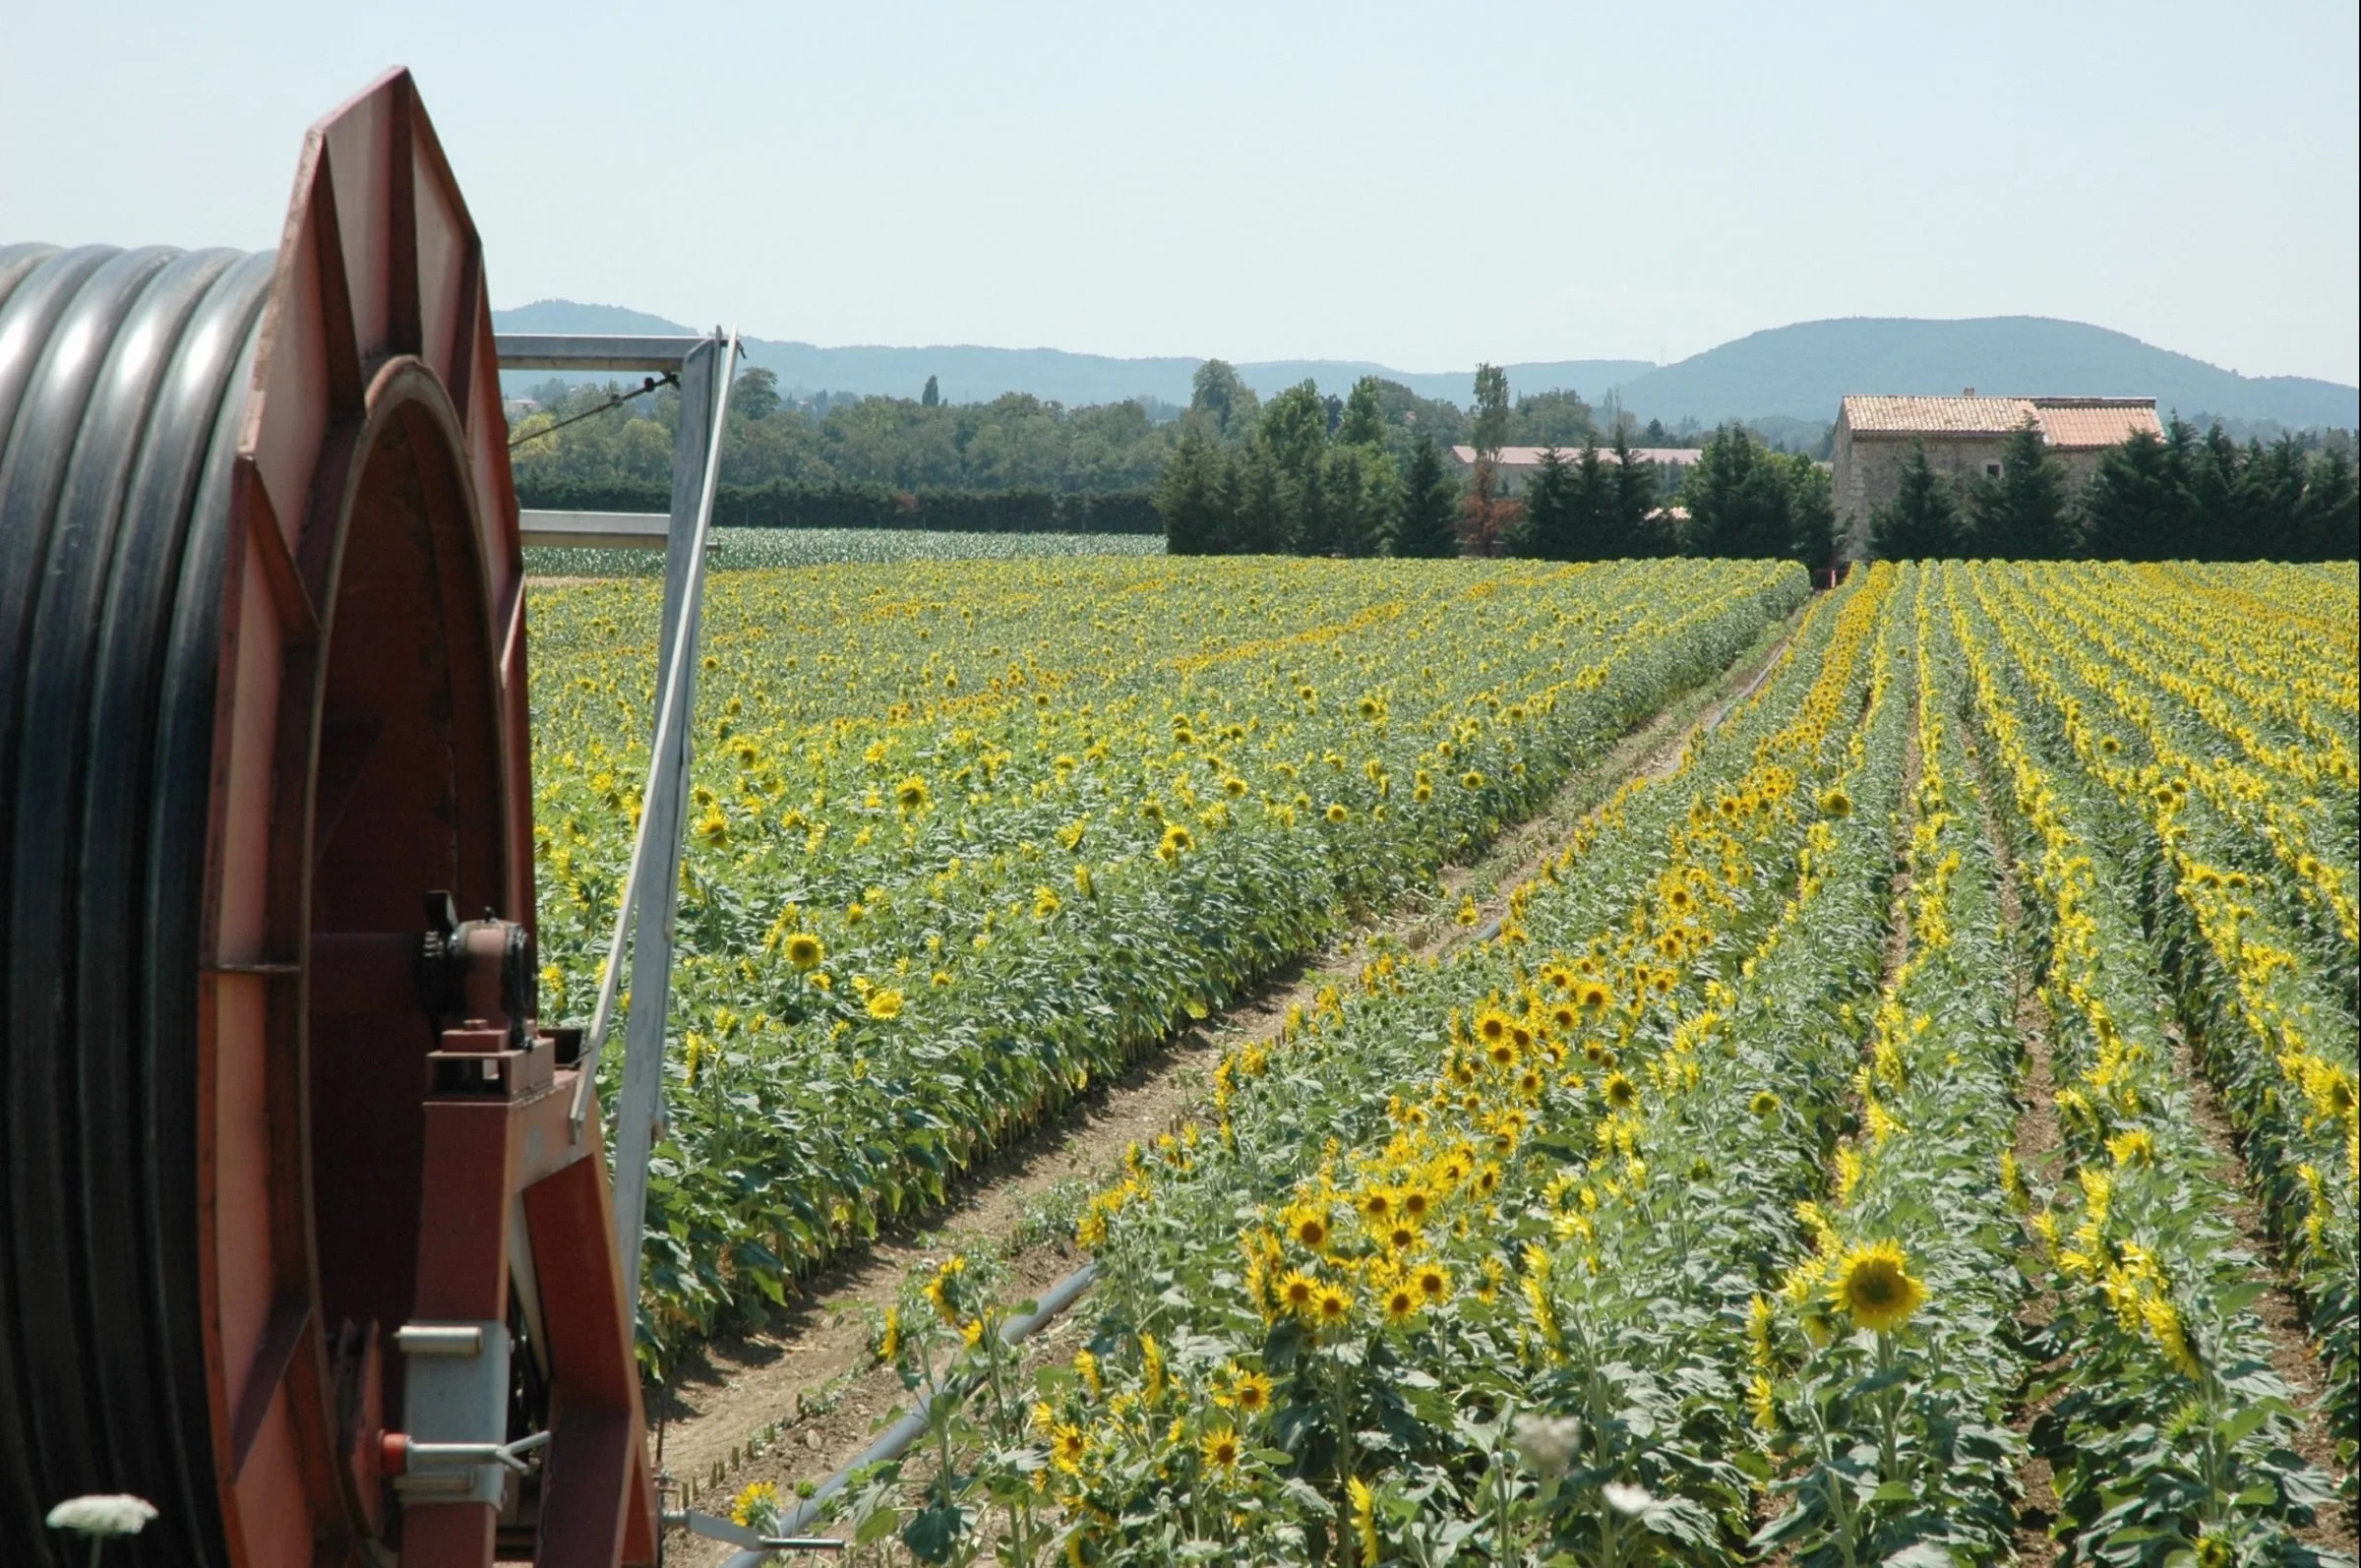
1700, 1217
967, 835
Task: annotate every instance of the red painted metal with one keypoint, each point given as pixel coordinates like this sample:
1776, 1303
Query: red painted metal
371, 744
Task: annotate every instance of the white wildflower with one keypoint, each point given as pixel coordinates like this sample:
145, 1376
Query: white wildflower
1545, 1442
1625, 1500
106, 1514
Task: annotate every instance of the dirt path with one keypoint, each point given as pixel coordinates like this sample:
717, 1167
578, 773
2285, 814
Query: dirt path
2281, 1307
795, 1403
2040, 1159
2040, 1149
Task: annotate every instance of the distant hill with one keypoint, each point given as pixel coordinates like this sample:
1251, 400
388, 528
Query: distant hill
1797, 372
1801, 371
1589, 377
565, 316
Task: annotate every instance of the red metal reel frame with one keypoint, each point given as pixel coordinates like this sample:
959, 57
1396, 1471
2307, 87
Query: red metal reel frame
372, 434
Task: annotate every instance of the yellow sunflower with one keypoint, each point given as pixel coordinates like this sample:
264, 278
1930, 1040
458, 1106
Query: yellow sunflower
1250, 1392
1874, 1286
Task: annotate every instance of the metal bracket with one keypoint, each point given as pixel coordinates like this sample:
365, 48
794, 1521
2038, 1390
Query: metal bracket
454, 1402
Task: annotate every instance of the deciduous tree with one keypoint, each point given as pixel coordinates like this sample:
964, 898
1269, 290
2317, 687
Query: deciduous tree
1217, 392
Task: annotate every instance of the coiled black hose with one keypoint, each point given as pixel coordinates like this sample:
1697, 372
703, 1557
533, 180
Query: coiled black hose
123, 379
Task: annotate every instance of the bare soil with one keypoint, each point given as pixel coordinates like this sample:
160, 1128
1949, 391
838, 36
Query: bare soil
2040, 1161
2281, 1307
798, 1400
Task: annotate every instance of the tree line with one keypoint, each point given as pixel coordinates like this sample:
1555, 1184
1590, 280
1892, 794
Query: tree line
2182, 496
1349, 476
786, 504
1015, 442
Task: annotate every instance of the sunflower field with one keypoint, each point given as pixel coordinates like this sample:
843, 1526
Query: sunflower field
1943, 1078
968, 835
751, 549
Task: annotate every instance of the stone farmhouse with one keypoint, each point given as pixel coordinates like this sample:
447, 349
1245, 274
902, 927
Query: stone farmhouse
1963, 437
1517, 464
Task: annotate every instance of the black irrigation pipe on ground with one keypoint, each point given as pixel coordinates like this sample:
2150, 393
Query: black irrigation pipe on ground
896, 1439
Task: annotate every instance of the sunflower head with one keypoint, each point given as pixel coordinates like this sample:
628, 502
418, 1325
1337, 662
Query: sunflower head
1874, 1286
1765, 1104
1620, 1092
1432, 1283
1402, 1302
805, 951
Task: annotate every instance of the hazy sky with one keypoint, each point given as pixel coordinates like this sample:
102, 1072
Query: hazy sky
1421, 185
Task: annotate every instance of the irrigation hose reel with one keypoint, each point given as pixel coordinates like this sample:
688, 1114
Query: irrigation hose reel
298, 1239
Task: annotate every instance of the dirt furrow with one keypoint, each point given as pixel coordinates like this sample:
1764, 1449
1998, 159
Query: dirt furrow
2282, 1307
2040, 1159
796, 1402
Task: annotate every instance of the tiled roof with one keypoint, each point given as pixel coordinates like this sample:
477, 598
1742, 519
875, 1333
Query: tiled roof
2084, 423
2068, 423
1531, 457
1936, 416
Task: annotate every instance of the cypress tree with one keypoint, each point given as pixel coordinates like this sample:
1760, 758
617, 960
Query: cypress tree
1426, 527
1356, 484
1264, 520
2328, 527
1811, 512
1190, 496
1922, 521
2134, 501
1548, 530
2270, 500
2022, 515
1590, 512
1629, 531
